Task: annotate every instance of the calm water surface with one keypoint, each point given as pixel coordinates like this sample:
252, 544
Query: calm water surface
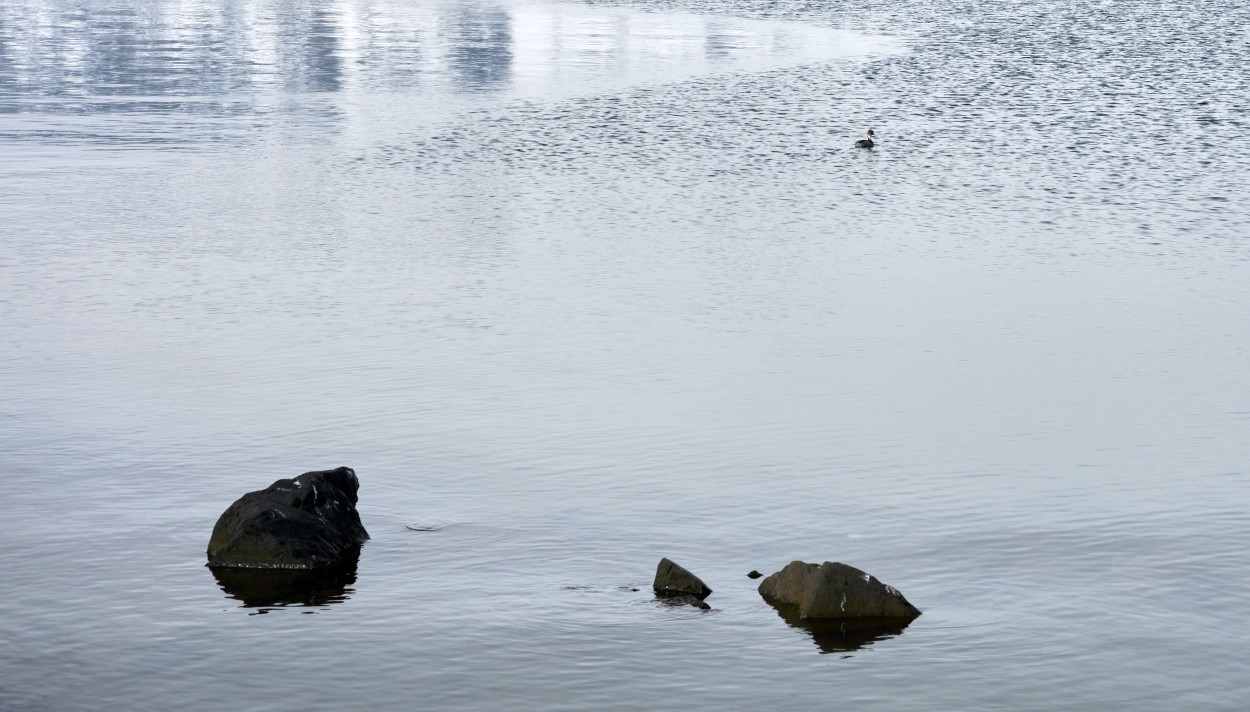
577, 286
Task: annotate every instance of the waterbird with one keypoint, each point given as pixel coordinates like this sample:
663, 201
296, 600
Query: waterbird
865, 142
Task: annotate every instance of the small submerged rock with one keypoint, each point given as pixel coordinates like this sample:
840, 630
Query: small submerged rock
305, 522
673, 580
754, 574
834, 590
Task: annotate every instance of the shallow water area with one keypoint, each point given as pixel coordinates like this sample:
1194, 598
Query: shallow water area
574, 287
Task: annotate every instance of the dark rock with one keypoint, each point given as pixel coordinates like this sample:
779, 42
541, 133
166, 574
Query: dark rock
302, 523
673, 580
834, 590
754, 574
840, 635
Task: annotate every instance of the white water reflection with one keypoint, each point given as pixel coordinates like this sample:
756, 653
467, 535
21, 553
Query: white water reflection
177, 75
132, 52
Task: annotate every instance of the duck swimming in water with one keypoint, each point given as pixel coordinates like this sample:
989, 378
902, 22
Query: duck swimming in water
865, 142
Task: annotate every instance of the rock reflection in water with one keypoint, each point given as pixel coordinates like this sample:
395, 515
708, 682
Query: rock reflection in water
481, 48
843, 634
681, 600
258, 588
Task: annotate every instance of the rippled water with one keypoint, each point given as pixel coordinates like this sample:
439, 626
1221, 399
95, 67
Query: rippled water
574, 287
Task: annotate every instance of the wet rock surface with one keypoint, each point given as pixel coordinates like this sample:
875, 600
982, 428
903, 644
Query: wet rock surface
305, 522
673, 580
834, 590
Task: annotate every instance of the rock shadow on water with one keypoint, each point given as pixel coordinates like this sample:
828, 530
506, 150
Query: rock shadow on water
275, 588
840, 635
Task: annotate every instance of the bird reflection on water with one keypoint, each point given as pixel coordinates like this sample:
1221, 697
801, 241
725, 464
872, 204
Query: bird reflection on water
841, 635
270, 588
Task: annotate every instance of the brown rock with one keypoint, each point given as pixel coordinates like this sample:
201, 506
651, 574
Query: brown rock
835, 590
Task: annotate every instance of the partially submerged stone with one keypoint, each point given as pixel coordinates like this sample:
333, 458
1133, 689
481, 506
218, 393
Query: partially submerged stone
835, 590
673, 580
301, 523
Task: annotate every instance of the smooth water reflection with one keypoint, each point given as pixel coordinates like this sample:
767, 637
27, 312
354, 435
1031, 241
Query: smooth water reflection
265, 588
128, 74
123, 54
840, 636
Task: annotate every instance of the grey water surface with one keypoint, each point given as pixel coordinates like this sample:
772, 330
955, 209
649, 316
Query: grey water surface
577, 286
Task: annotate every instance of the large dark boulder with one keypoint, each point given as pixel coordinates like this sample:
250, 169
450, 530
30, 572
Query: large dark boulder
673, 580
833, 590
306, 522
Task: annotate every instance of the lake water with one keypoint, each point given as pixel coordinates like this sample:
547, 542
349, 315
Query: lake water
574, 287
